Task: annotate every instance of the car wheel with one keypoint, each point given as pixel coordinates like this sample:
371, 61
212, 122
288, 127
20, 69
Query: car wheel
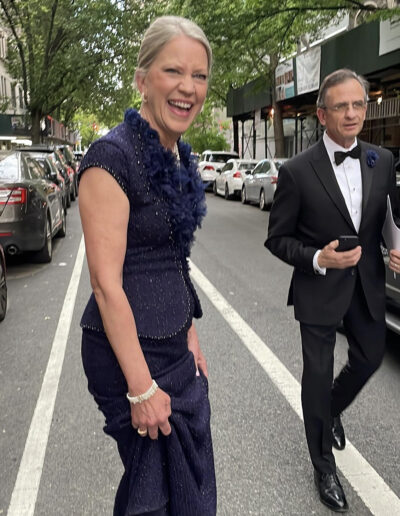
243, 197
63, 229
3, 300
227, 194
262, 204
46, 253
69, 198
215, 188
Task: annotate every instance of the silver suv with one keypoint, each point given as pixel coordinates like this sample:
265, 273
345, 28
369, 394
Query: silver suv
211, 162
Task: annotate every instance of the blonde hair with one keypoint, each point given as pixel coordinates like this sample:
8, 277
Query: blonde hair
163, 30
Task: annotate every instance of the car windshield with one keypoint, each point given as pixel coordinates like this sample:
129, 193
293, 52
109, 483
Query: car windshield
9, 167
221, 158
247, 166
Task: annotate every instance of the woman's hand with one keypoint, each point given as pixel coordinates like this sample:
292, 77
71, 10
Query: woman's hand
152, 415
194, 347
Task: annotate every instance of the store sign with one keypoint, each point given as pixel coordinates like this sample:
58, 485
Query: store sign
308, 67
284, 80
389, 36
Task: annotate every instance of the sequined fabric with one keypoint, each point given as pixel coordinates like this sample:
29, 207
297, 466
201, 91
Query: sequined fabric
178, 469
166, 205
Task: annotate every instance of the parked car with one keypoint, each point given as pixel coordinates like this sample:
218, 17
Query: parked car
31, 209
3, 285
78, 157
229, 181
259, 186
57, 157
69, 156
70, 171
212, 161
48, 162
393, 283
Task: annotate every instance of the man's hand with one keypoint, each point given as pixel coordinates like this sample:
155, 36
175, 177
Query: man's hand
329, 258
394, 262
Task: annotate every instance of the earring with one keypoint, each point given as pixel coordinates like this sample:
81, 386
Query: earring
143, 97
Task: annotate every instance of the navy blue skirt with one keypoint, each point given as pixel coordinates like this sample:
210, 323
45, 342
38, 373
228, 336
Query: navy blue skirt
173, 474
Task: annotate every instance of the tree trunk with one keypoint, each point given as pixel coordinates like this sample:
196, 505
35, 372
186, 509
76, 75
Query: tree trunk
36, 116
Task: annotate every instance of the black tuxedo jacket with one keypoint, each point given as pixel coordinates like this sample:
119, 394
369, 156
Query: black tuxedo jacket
309, 211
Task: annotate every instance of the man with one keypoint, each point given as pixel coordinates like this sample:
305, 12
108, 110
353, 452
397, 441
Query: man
337, 187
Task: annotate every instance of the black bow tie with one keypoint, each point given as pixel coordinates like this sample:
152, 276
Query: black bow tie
341, 156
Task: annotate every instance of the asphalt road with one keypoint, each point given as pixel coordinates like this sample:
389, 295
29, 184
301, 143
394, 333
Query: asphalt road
261, 456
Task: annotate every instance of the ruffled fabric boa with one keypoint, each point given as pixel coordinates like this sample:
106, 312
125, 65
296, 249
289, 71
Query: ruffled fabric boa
179, 183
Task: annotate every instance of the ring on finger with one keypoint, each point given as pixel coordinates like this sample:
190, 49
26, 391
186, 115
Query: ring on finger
142, 432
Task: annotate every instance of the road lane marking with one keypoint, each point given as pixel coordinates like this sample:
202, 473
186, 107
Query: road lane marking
24, 495
367, 483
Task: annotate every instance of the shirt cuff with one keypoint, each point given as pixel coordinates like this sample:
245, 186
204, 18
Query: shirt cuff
317, 268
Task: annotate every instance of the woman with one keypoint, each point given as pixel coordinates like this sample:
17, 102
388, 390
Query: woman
140, 201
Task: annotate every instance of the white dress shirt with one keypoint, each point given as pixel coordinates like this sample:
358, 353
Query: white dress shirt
348, 176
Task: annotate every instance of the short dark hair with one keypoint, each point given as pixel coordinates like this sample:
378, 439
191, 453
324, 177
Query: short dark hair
337, 77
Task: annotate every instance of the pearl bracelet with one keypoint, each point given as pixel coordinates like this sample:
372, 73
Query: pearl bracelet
143, 397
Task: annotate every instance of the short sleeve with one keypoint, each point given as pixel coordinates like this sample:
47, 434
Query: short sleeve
108, 156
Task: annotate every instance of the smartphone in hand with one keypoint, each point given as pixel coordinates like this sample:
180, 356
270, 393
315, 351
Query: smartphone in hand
347, 242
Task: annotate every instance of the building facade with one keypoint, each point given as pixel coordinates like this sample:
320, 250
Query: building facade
371, 49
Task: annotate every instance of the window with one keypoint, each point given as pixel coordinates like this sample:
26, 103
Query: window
226, 167
9, 167
3, 46
246, 166
45, 165
257, 169
3, 87
21, 98
266, 167
35, 171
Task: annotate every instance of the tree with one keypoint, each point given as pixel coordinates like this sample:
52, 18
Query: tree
249, 37
69, 54
88, 126
205, 132
91, 126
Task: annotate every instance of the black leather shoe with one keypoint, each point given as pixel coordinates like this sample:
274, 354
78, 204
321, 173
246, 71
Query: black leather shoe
339, 439
330, 491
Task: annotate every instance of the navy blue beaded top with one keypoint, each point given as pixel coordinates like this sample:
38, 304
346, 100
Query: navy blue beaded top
167, 204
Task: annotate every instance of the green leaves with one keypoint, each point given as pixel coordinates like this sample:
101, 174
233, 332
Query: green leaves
71, 55
205, 132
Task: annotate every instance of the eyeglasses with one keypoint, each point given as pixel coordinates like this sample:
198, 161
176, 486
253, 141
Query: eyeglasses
358, 105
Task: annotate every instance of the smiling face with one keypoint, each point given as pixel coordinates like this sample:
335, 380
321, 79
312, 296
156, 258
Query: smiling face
174, 88
344, 113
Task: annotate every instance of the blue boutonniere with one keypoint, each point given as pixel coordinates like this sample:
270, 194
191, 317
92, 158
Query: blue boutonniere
372, 158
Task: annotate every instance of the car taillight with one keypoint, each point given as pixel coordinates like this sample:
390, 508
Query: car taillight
209, 167
237, 174
13, 196
274, 180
